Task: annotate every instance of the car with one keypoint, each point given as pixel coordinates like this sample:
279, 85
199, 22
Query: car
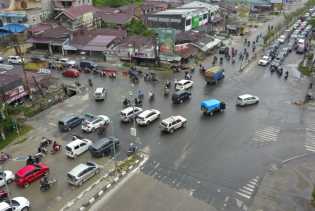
290, 46
148, 116
87, 65
264, 61
104, 147
69, 122
275, 65
82, 172
180, 96
1, 59
95, 123
6, 177
282, 39
285, 51
77, 147
67, 62
71, 73
15, 60
129, 113
173, 123
30, 173
247, 99
100, 93
184, 84
211, 106
15, 204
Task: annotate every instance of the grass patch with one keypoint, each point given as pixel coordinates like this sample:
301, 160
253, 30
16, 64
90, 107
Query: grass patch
125, 164
32, 66
305, 70
13, 136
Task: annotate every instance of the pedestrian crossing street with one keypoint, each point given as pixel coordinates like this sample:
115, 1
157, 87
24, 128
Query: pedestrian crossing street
266, 135
247, 191
310, 138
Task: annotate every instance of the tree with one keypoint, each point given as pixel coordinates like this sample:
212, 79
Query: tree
137, 27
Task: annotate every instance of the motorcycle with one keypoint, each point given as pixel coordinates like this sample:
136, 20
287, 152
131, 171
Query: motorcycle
151, 96
126, 102
46, 185
55, 148
45, 142
166, 91
286, 75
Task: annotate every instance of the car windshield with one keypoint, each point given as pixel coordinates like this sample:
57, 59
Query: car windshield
68, 149
164, 124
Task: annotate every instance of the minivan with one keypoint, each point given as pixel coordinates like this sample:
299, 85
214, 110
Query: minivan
69, 122
180, 96
88, 65
82, 172
77, 147
129, 113
104, 147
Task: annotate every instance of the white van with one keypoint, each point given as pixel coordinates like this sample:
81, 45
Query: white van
129, 113
100, 94
247, 99
77, 147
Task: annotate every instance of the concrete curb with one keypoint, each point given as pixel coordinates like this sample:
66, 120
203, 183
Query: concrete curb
105, 189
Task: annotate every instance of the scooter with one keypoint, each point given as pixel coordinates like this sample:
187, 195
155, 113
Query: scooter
151, 96
44, 187
132, 149
126, 102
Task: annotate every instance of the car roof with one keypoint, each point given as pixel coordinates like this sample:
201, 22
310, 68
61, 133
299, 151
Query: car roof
127, 110
28, 168
99, 89
67, 118
244, 96
76, 141
4, 205
183, 81
100, 142
79, 168
210, 102
171, 118
146, 112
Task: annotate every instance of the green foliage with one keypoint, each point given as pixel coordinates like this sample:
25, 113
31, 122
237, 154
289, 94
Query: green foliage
137, 27
13, 135
115, 3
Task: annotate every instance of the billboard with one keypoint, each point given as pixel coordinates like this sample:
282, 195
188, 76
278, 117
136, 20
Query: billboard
166, 40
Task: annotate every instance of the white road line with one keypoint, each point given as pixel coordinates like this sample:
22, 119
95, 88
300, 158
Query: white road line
251, 186
255, 180
249, 189
243, 195
312, 149
253, 183
245, 191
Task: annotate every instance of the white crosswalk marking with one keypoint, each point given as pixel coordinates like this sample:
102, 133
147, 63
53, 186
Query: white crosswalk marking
310, 137
266, 135
248, 190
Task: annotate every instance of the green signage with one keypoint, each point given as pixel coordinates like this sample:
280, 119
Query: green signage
195, 22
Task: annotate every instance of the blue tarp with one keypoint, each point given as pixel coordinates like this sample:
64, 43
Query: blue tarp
210, 103
12, 28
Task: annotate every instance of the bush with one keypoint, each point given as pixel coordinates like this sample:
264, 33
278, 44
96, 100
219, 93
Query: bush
137, 27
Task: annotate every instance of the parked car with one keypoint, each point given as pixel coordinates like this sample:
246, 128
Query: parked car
127, 114
16, 204
100, 93
30, 173
173, 123
38, 58
184, 85
6, 177
71, 73
82, 172
15, 60
291, 45
264, 61
285, 51
247, 99
214, 74
1, 59
87, 65
77, 147
104, 147
211, 106
181, 96
282, 38
69, 122
95, 123
148, 116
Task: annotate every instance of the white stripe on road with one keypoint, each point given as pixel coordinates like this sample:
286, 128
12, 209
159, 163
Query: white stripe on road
245, 191
249, 189
251, 186
253, 183
310, 148
243, 195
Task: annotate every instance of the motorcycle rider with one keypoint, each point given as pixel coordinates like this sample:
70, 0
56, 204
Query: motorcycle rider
44, 182
56, 147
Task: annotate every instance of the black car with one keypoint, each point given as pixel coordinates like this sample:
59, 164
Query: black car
69, 122
275, 65
181, 96
87, 65
104, 147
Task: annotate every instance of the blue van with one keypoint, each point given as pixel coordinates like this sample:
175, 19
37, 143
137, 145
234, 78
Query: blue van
211, 106
214, 74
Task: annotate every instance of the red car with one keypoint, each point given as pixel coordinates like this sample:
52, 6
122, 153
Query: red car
30, 173
71, 73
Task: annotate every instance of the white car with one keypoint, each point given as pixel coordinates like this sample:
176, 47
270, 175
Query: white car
100, 93
6, 176
173, 123
77, 147
183, 85
15, 60
247, 99
1, 59
94, 123
129, 113
148, 116
18, 204
264, 61
282, 38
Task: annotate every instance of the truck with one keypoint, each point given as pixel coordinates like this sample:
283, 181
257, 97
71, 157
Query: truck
214, 74
210, 106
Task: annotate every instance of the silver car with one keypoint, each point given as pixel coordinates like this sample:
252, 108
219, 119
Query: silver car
82, 172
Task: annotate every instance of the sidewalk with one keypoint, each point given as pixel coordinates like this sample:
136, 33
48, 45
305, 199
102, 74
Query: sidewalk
288, 188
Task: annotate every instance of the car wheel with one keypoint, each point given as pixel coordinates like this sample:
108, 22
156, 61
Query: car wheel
9, 181
25, 209
172, 130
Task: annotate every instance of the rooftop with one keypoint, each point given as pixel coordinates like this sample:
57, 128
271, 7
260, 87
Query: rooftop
77, 11
198, 4
178, 11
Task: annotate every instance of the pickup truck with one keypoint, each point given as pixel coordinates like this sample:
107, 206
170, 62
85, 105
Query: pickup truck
214, 74
211, 106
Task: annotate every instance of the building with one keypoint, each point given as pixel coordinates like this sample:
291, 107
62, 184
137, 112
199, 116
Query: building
11, 88
13, 17
114, 17
61, 5
76, 17
213, 10
182, 19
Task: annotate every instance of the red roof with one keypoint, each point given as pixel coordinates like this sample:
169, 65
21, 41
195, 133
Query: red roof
77, 11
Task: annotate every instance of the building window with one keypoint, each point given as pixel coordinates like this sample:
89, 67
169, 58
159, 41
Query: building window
188, 22
205, 16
